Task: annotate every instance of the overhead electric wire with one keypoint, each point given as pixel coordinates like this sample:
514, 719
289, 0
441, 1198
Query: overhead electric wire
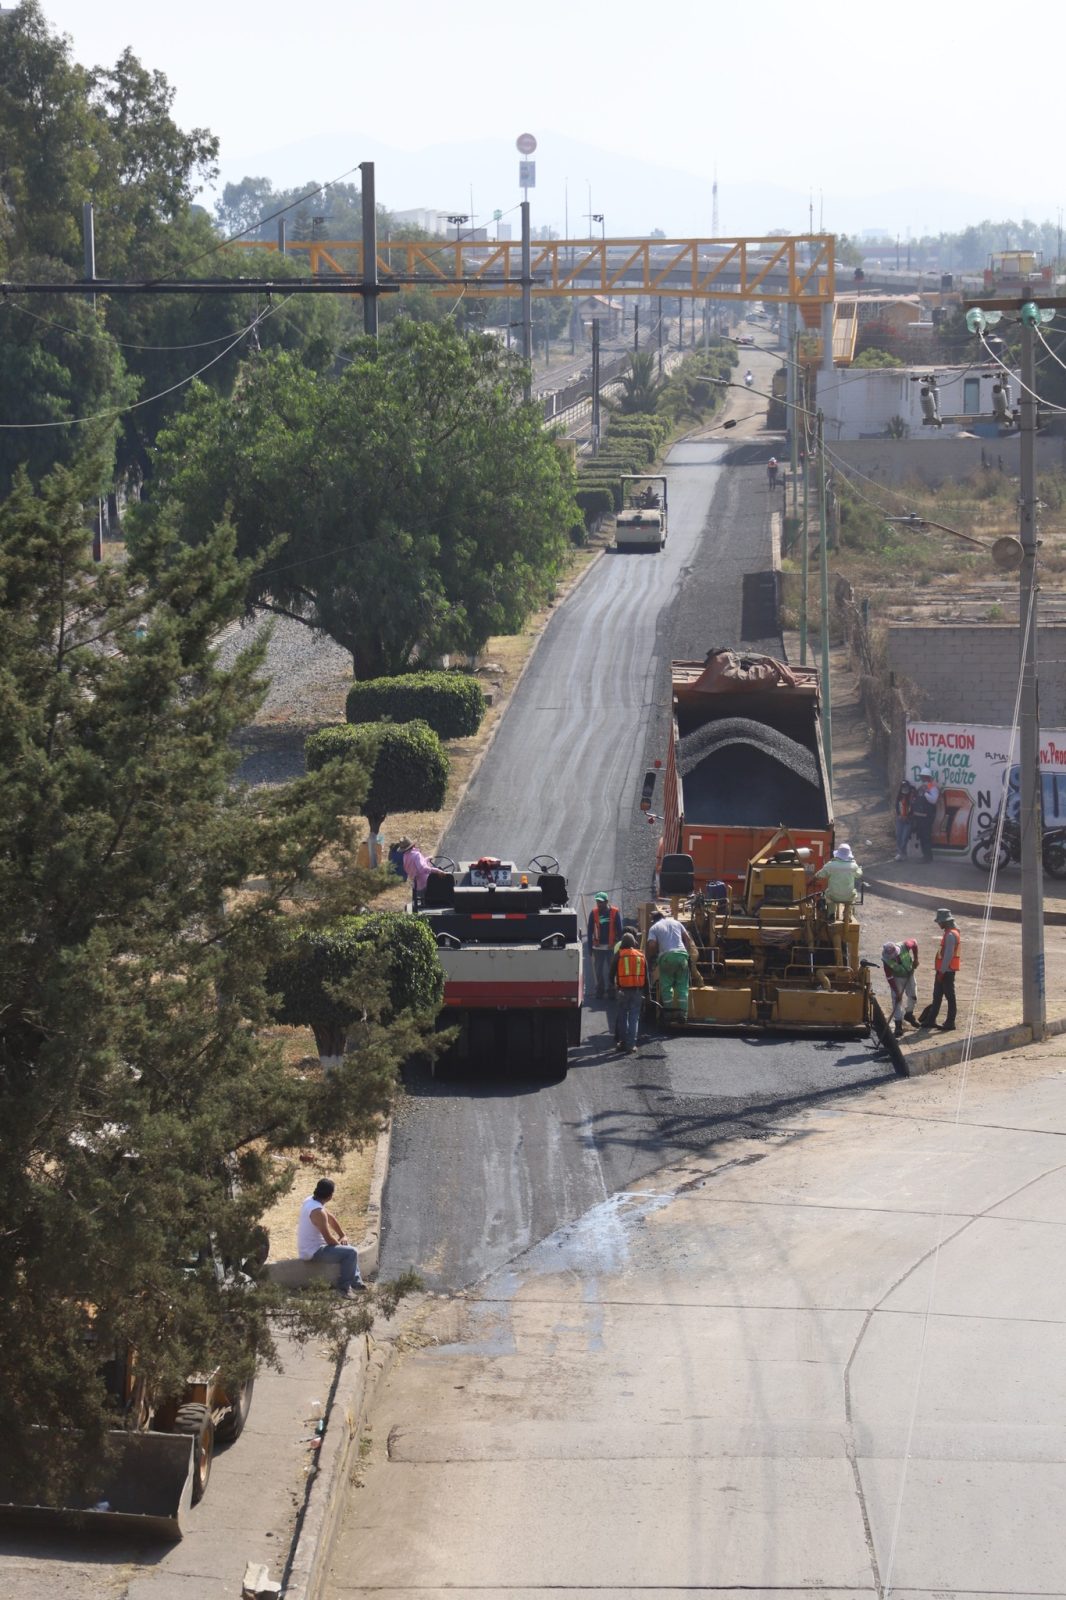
967, 1055
137, 405
254, 226
1047, 404
123, 344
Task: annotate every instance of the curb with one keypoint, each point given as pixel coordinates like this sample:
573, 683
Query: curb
358, 1371
967, 908
371, 1243
982, 1044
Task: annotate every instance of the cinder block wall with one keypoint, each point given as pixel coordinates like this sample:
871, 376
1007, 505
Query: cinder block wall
968, 672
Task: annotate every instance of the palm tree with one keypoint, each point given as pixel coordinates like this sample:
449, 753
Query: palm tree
641, 386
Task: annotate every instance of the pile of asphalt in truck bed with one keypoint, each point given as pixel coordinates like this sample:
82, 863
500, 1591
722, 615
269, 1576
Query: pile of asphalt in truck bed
739, 773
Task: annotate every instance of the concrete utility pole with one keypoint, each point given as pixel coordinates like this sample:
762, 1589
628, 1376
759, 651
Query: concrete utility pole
595, 429
805, 573
791, 396
370, 249
1031, 818
527, 299
827, 692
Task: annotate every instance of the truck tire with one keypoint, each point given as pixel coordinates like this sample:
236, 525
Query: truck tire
554, 1046
195, 1420
231, 1426
481, 1039
521, 1047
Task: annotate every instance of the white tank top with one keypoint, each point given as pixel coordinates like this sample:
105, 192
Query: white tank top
308, 1238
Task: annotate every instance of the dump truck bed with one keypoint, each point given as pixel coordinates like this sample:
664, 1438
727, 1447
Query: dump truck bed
745, 757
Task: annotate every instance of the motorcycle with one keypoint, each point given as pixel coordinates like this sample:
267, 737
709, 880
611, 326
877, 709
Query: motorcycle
1010, 848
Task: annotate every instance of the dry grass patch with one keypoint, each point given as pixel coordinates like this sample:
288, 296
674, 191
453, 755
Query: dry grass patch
352, 1175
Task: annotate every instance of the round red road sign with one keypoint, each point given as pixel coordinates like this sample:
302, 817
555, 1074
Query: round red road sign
526, 144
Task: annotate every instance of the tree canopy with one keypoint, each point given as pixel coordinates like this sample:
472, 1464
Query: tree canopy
409, 506
70, 133
141, 1090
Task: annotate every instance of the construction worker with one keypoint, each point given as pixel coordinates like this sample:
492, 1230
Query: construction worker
923, 810
948, 959
841, 875
629, 971
604, 932
898, 962
670, 948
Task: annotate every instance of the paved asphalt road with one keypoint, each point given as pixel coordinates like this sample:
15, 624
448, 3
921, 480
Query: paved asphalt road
483, 1167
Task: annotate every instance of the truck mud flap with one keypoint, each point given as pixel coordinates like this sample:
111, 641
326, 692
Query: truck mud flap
145, 1491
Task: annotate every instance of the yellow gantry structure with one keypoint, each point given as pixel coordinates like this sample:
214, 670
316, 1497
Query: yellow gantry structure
797, 269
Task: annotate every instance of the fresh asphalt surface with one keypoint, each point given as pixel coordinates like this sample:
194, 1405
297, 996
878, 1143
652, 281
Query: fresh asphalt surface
482, 1167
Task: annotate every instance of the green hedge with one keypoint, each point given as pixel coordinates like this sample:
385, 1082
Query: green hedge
639, 428
316, 962
451, 702
594, 501
603, 480
406, 762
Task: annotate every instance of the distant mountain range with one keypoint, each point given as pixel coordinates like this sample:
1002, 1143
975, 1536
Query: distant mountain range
633, 196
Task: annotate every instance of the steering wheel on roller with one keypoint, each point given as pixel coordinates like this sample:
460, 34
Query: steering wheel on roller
443, 863
546, 864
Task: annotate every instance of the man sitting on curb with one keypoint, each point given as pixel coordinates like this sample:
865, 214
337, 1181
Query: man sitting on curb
320, 1237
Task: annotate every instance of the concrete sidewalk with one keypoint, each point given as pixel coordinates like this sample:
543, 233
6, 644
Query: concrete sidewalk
833, 1358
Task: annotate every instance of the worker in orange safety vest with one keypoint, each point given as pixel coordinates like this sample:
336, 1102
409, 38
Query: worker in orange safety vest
629, 971
948, 961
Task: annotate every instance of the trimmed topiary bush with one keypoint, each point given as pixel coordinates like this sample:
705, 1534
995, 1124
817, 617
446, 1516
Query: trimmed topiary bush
451, 702
406, 763
399, 947
341, 741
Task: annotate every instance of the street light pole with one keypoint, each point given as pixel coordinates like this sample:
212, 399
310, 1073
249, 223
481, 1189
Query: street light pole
1031, 817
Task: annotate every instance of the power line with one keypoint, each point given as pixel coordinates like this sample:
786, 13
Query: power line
137, 405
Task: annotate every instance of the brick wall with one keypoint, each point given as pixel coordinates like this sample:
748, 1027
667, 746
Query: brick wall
968, 672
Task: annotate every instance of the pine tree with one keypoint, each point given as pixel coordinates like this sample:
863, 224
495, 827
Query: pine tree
146, 896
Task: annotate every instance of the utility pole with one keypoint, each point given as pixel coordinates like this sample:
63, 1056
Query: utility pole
88, 237
370, 249
805, 575
827, 693
789, 392
527, 301
595, 386
1031, 817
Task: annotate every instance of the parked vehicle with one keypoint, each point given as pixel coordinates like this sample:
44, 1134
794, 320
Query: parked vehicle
983, 854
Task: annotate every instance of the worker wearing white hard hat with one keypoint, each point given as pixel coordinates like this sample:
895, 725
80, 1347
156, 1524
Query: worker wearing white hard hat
841, 876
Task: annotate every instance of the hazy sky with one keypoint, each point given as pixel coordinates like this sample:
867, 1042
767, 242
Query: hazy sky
852, 99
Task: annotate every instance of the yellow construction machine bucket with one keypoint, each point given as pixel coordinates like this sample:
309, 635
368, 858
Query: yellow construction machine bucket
144, 1489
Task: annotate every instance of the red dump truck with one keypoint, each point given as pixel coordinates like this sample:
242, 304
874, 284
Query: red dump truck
745, 758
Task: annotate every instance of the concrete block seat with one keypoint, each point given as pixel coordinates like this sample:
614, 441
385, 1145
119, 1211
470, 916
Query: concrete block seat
293, 1273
